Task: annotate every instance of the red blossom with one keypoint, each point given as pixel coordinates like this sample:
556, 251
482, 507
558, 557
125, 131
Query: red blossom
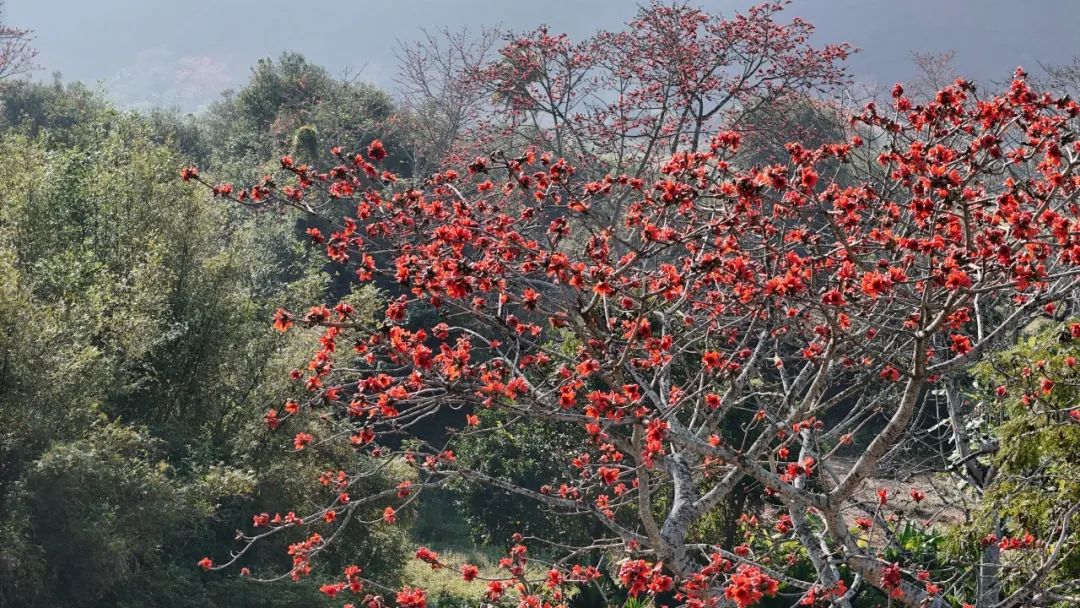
376, 151
301, 440
411, 597
748, 585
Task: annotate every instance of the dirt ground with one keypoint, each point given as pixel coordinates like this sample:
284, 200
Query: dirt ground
943, 503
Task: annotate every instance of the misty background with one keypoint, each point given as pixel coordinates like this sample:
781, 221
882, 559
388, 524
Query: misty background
156, 53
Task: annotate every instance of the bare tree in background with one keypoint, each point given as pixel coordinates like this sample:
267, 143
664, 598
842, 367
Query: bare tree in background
936, 71
1065, 77
438, 91
16, 53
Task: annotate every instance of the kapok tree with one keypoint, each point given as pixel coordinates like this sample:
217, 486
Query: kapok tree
623, 100
737, 327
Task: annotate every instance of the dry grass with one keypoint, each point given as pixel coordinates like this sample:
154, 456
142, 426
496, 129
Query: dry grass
444, 581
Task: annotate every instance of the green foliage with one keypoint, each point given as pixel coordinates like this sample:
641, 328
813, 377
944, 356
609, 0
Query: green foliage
305, 144
136, 361
55, 109
638, 602
291, 106
102, 499
528, 454
918, 544
1032, 442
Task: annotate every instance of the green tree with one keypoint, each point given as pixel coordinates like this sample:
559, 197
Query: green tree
136, 362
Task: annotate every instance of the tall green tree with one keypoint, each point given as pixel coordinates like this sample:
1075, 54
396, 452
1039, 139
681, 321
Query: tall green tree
136, 362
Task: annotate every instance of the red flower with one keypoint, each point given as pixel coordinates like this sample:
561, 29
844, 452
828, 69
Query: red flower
411, 597
784, 524
529, 299
205, 563
283, 320
495, 590
302, 440
833, 298
728, 140
332, 590
428, 556
1046, 385
609, 475
712, 360
634, 575
957, 279
891, 576
352, 576
554, 578
875, 284
961, 345
316, 235
660, 583
748, 585
375, 151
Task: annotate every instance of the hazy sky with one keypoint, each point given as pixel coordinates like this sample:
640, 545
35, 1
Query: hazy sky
184, 53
